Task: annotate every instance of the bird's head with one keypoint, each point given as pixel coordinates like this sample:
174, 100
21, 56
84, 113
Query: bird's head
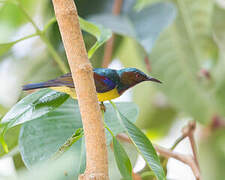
131, 76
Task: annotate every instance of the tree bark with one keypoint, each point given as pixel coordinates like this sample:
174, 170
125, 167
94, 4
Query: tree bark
96, 151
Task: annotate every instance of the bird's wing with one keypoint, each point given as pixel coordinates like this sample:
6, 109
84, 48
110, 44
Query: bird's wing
102, 83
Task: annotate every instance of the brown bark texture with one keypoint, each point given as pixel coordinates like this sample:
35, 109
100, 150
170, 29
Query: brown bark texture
96, 151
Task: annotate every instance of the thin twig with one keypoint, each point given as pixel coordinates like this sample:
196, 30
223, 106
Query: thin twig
177, 142
189, 132
109, 45
187, 159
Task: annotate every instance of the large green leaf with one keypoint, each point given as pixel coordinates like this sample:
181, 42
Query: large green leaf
34, 106
143, 145
144, 25
176, 59
122, 160
67, 166
64, 168
50, 132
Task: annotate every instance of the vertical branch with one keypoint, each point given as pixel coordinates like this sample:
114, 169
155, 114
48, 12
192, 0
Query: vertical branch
109, 45
188, 131
96, 152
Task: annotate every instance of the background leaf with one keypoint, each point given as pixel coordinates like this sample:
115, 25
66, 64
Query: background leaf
212, 149
5, 48
218, 71
144, 25
175, 61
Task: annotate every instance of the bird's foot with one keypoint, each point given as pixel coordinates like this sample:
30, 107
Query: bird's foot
102, 106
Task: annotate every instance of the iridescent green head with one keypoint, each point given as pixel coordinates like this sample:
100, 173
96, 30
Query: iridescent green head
129, 77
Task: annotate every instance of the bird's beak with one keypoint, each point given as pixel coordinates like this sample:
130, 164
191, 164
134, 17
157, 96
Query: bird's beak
153, 79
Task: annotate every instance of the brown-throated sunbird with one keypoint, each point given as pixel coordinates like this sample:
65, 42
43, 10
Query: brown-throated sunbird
109, 83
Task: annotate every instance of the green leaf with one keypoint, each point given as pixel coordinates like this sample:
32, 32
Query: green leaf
102, 34
48, 133
143, 145
129, 109
122, 160
144, 25
33, 106
98, 31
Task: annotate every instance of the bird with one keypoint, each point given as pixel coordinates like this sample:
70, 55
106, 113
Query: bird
109, 83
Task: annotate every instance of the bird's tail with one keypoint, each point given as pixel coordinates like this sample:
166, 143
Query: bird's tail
64, 80
38, 85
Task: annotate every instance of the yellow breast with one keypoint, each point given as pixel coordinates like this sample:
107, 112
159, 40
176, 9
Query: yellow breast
112, 94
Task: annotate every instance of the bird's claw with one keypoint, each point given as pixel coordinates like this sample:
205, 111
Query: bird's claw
102, 106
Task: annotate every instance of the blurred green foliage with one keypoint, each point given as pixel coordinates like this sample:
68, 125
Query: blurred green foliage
186, 53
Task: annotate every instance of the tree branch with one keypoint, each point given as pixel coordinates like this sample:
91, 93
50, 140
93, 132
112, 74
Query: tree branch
109, 45
189, 132
96, 152
187, 159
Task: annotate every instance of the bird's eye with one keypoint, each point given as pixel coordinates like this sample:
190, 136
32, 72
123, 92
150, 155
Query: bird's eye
137, 75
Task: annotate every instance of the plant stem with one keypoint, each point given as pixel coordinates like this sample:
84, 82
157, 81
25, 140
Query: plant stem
69, 142
26, 37
82, 74
28, 17
42, 35
103, 114
51, 22
177, 142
